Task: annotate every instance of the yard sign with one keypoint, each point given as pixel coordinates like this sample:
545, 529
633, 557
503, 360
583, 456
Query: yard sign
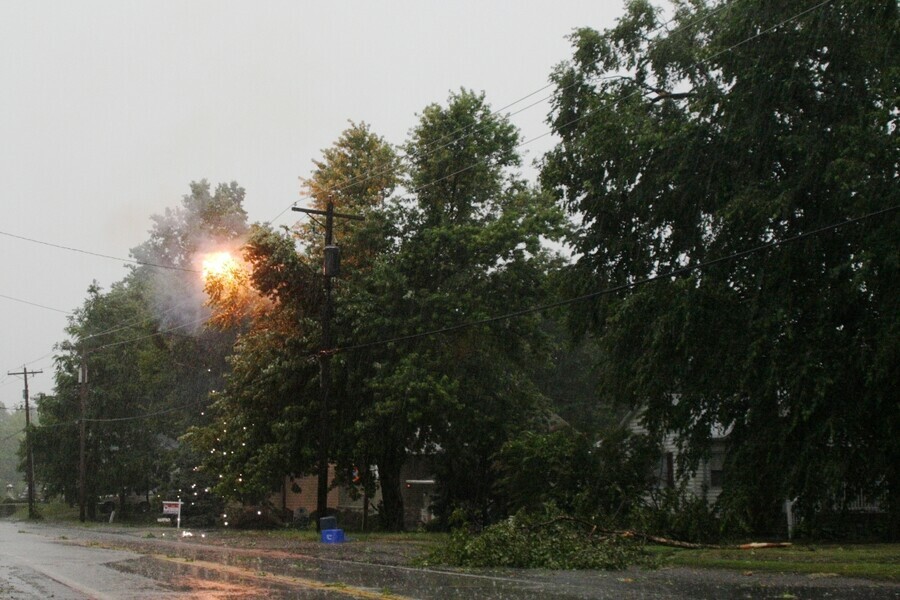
173, 507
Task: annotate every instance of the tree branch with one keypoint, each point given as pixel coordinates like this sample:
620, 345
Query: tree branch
662, 541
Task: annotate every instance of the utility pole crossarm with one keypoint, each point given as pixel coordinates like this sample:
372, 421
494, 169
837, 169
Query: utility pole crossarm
325, 213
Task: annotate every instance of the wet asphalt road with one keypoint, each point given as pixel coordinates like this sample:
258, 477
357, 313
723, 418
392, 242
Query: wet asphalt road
34, 566
50, 561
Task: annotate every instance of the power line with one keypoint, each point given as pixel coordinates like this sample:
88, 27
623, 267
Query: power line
627, 96
128, 341
626, 286
544, 307
150, 335
112, 419
473, 129
89, 253
121, 328
12, 435
148, 415
509, 315
5, 297
122, 325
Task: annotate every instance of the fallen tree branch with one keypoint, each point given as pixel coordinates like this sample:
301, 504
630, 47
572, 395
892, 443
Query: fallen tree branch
662, 541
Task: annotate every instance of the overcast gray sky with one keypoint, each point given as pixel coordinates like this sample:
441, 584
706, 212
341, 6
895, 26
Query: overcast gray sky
109, 109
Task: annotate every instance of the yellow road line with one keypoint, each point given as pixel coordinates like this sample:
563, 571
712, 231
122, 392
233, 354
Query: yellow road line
262, 576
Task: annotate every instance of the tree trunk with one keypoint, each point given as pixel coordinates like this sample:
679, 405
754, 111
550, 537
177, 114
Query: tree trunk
391, 496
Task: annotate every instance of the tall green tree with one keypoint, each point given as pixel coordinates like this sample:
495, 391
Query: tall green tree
465, 245
151, 362
12, 433
263, 424
268, 416
358, 174
119, 451
740, 124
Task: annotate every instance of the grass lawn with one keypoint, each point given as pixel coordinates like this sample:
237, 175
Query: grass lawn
310, 535
870, 561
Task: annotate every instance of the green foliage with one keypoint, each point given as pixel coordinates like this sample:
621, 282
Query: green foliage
677, 515
569, 378
186, 480
205, 217
467, 245
540, 540
263, 423
464, 248
119, 451
358, 174
267, 419
150, 364
12, 428
741, 124
605, 480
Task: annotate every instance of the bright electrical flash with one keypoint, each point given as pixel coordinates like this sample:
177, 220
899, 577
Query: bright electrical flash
221, 266
228, 287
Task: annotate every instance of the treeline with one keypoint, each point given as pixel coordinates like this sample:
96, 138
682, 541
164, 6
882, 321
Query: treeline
727, 185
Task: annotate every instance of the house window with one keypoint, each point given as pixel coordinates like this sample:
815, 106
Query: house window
716, 469
670, 470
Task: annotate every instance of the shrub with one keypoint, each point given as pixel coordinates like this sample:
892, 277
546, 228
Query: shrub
603, 479
679, 515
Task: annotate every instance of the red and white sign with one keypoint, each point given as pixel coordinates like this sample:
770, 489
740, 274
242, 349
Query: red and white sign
171, 507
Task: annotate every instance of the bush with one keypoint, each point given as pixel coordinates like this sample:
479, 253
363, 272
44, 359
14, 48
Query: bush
681, 516
847, 527
548, 540
9, 507
605, 478
258, 517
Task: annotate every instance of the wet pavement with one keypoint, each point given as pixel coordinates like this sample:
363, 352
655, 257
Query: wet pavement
144, 563
35, 566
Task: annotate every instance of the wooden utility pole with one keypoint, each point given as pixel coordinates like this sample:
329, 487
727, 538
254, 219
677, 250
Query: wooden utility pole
330, 269
29, 458
82, 462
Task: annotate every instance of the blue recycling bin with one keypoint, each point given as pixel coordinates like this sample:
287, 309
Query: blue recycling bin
332, 536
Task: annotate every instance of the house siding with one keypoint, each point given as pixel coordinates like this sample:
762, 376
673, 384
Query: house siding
697, 483
416, 492
306, 498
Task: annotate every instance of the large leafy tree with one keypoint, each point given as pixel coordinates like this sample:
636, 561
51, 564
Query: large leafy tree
268, 419
263, 423
189, 362
151, 363
12, 433
358, 174
120, 451
740, 124
465, 245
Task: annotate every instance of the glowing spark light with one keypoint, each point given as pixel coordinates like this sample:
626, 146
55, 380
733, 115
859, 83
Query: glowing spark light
229, 288
220, 266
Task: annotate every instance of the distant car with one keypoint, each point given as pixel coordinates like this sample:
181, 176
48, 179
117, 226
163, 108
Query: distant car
139, 502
